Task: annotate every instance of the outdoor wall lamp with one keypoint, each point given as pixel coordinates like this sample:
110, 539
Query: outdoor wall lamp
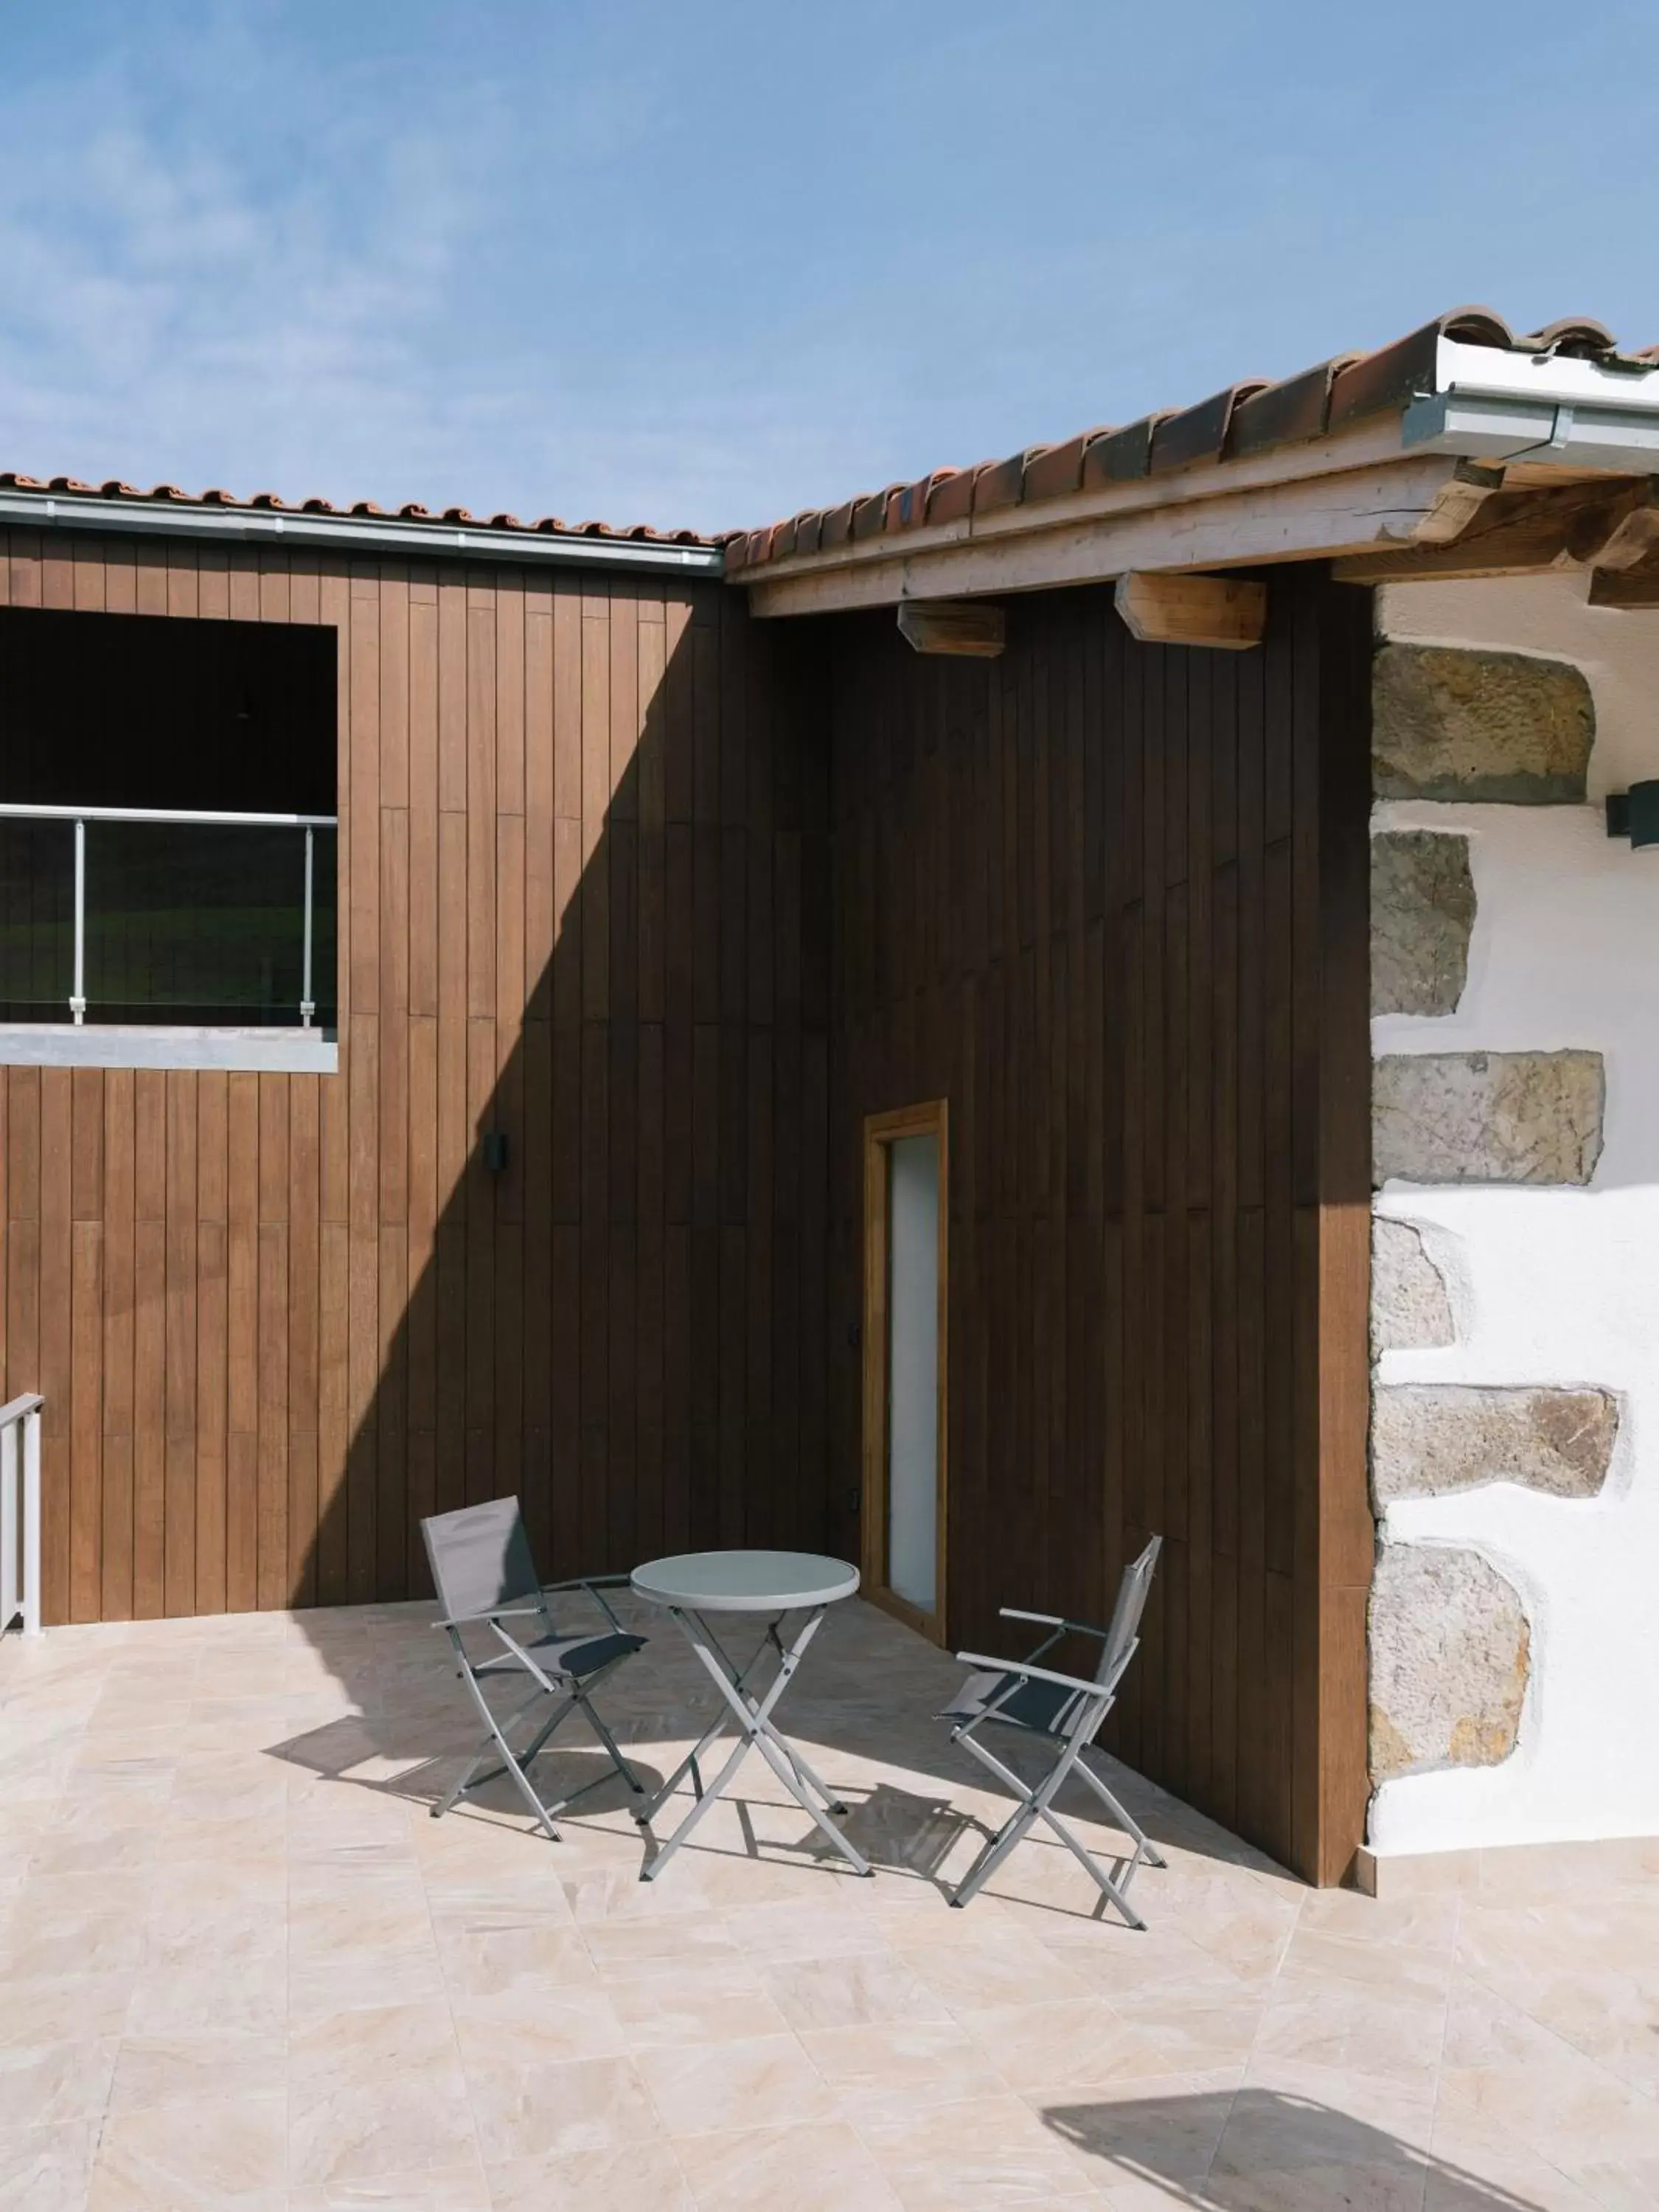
1635, 814
493, 1151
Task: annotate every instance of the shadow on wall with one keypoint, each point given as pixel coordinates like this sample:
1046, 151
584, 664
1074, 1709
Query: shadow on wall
1257, 2150
623, 1324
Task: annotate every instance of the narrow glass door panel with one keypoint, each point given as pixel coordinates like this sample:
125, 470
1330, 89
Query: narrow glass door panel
913, 1369
905, 1455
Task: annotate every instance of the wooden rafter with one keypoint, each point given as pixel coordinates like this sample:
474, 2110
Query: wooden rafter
1532, 532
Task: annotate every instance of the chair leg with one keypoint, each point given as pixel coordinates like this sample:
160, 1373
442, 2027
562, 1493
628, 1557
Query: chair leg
1036, 1804
1132, 1828
605, 1737
1010, 1833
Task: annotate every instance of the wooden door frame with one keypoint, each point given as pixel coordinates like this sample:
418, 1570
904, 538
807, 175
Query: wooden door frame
931, 1117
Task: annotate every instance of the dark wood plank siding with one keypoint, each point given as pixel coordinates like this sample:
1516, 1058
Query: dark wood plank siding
276, 1319
1110, 901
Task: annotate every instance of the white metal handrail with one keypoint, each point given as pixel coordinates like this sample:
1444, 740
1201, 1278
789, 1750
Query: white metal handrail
80, 815
20, 1513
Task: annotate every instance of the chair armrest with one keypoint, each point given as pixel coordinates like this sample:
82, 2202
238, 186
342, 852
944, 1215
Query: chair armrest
595, 1585
496, 1613
1054, 1620
1023, 1668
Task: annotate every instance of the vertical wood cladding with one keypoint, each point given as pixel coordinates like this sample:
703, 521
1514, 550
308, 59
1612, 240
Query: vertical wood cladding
1110, 900
581, 901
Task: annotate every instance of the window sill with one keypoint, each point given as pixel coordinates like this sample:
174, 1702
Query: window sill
61, 1044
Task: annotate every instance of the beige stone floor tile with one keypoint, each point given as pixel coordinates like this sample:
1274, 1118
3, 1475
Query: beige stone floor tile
246, 1994
532, 2025
537, 2109
1569, 2110
826, 1922
90, 1940
1071, 2042
1161, 2129
226, 2155
1426, 1923
848, 1991
633, 2178
710, 2089
459, 2188
990, 2150
376, 2091
821, 2166
67, 2008
43, 2083
721, 2002
213, 2064
48, 2168
657, 1945
1470, 2171
113, 1849
490, 1949
1006, 1966
1359, 2030
215, 1833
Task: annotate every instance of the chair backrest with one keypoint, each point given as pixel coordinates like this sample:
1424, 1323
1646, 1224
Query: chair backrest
1125, 1623
480, 1558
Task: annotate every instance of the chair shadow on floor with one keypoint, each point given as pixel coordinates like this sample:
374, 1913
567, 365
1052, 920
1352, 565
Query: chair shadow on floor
1259, 2150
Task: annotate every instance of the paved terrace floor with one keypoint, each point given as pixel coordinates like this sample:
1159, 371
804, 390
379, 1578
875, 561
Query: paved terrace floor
241, 1967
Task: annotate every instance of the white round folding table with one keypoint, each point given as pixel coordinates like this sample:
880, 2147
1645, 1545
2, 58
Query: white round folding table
691, 1586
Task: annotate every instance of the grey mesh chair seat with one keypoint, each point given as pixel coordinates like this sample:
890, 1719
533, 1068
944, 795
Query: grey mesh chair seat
1039, 1708
1065, 1712
487, 1583
574, 1656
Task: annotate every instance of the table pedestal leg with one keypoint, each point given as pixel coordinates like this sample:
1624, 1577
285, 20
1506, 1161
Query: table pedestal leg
754, 1730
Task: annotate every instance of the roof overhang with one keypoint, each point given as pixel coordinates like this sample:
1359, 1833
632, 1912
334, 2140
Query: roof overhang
389, 536
1399, 490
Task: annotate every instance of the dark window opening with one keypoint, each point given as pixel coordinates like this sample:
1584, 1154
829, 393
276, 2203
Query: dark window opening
183, 923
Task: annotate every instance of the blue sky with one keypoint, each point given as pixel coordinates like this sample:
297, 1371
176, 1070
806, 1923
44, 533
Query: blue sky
706, 261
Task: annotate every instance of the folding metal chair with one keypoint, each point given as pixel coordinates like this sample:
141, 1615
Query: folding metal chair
484, 1576
1064, 1710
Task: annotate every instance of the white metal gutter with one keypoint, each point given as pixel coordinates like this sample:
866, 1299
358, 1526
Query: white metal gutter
1498, 405
389, 534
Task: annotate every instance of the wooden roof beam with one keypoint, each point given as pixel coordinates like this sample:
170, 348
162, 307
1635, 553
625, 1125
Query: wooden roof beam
1532, 532
1362, 511
1227, 612
973, 627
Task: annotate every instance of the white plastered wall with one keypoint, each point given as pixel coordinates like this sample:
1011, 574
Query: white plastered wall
1552, 1285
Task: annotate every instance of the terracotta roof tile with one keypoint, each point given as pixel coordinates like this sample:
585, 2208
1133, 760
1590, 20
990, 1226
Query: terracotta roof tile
1053, 470
1245, 419
114, 489
1119, 456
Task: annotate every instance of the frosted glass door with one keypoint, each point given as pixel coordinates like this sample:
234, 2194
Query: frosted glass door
912, 1485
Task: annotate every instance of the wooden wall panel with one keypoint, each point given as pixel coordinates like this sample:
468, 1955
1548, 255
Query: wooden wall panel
1109, 900
278, 1318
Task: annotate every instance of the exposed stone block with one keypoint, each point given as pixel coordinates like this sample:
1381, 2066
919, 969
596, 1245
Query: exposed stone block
1422, 913
1486, 1116
1410, 1304
1448, 722
1428, 1438
1449, 1660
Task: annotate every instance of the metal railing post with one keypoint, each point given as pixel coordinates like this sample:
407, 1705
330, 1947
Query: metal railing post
32, 1523
9, 1502
78, 997
308, 1007
20, 1514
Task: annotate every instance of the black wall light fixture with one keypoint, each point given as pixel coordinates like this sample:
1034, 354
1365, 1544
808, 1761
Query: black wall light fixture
494, 1149
1635, 814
